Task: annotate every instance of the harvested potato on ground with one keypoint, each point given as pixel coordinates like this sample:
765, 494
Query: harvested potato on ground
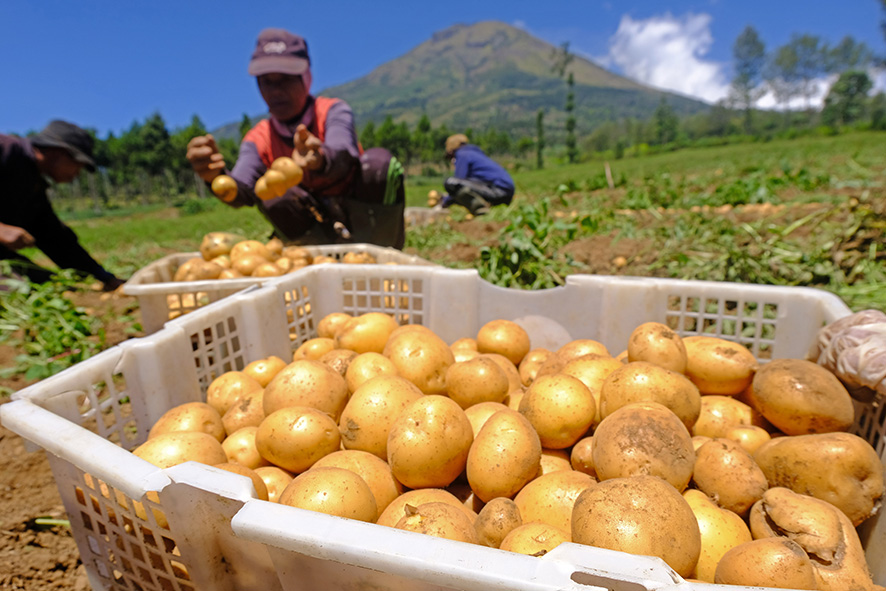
656, 343
769, 562
534, 539
334, 491
641, 381
718, 366
801, 397
640, 515
505, 456
504, 337
190, 416
550, 498
440, 520
371, 411
560, 408
822, 530
496, 520
840, 468
428, 442
721, 530
644, 438
729, 474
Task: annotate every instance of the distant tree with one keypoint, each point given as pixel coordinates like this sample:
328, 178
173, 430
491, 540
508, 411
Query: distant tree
847, 98
878, 111
812, 59
395, 138
749, 54
666, 123
782, 75
540, 138
367, 136
423, 140
524, 144
562, 57
849, 54
245, 126
153, 146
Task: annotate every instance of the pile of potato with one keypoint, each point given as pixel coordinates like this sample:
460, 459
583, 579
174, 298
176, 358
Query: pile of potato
682, 448
227, 256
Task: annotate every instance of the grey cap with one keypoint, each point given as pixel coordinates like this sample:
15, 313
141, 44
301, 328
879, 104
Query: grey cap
61, 134
278, 51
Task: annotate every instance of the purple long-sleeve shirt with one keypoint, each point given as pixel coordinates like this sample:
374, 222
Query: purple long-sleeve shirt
340, 149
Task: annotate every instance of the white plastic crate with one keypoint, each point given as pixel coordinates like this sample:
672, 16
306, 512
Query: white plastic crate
224, 538
159, 297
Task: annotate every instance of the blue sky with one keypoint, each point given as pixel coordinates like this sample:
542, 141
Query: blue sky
106, 64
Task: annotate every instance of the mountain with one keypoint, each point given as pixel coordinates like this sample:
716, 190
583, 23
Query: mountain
493, 74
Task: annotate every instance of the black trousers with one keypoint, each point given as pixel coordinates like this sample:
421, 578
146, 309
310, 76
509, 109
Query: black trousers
493, 195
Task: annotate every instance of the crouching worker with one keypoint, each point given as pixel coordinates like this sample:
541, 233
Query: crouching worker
345, 194
58, 153
478, 181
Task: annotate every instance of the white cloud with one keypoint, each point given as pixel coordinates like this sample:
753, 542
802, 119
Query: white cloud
668, 52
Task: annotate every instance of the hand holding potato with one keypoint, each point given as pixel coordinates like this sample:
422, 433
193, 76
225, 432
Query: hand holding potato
205, 158
308, 153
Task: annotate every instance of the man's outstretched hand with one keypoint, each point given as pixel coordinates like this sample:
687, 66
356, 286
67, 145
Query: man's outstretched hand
15, 238
308, 152
205, 158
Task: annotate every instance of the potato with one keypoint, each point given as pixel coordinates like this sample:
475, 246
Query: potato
550, 498
330, 324
729, 474
307, 383
821, 529
719, 414
266, 269
295, 437
371, 411
217, 243
496, 520
366, 366
276, 480
639, 515
428, 442
534, 539
246, 248
770, 562
247, 264
530, 364
189, 416
365, 333
560, 408
334, 491
468, 343
504, 337
581, 458
223, 261
840, 468
261, 490
720, 529
422, 358
275, 245
656, 343
644, 438
592, 370
478, 414
314, 349
505, 456
176, 447
553, 460
240, 448
248, 411
640, 381
718, 366
579, 347
358, 258
440, 520
375, 471
263, 370
229, 387
801, 397
475, 381
514, 381
397, 509
749, 437
230, 274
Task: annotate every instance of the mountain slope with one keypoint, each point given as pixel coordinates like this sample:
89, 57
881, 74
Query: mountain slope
491, 74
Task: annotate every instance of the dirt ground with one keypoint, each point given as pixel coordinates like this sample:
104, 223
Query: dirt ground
43, 558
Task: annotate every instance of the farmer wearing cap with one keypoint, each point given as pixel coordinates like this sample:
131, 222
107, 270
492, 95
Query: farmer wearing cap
58, 153
361, 191
478, 181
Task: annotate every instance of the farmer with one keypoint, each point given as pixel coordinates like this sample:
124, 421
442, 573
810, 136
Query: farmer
58, 153
346, 195
478, 181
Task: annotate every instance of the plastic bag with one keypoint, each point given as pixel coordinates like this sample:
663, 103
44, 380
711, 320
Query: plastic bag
854, 349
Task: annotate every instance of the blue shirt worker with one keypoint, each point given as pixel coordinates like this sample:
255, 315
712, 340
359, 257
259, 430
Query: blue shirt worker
478, 181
